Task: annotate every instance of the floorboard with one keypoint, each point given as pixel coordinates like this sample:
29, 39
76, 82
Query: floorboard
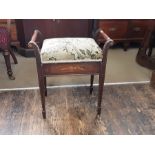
126, 109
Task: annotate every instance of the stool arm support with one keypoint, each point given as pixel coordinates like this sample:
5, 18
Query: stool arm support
34, 44
103, 35
108, 42
36, 40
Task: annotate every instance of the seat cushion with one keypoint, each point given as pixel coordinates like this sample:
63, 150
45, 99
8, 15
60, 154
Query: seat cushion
70, 49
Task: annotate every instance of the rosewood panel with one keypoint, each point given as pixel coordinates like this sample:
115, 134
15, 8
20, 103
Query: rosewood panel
71, 68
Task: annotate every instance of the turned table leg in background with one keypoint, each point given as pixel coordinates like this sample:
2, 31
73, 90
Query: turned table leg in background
8, 64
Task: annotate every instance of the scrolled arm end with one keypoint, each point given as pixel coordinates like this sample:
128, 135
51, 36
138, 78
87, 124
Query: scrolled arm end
33, 45
107, 39
36, 37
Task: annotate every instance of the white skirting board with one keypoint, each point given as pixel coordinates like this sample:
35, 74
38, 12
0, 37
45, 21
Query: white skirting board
70, 86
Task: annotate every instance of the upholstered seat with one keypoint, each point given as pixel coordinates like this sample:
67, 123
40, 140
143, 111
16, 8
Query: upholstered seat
70, 49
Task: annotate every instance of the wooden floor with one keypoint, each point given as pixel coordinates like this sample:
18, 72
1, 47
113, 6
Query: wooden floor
126, 109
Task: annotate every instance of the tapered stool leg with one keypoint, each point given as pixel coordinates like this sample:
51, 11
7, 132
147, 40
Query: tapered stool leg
45, 83
91, 83
100, 89
42, 94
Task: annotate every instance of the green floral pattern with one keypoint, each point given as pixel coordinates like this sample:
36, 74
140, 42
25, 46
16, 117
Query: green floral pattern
63, 49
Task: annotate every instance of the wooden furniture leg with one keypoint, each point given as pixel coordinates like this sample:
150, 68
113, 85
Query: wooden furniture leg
13, 56
6, 55
45, 83
42, 93
143, 57
126, 45
91, 83
100, 89
150, 51
151, 45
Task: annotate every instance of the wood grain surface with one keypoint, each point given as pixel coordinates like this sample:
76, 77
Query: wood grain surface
126, 109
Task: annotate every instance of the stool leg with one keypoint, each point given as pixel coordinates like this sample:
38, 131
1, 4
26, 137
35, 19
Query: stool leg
100, 89
6, 55
42, 94
91, 83
45, 83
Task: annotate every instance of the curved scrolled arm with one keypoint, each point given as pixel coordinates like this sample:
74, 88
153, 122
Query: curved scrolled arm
36, 40
108, 42
36, 44
103, 35
33, 45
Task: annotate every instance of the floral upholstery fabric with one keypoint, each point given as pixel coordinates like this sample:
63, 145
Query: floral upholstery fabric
4, 38
70, 49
